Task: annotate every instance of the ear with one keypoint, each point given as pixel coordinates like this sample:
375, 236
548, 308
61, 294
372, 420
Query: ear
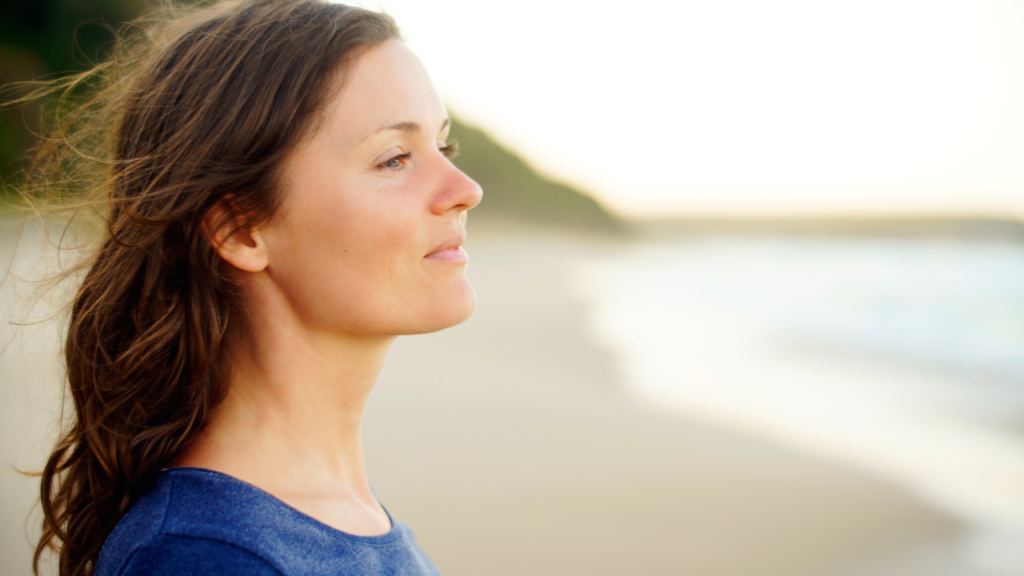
236, 244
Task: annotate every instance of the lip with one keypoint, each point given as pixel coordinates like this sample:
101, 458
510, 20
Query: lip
450, 250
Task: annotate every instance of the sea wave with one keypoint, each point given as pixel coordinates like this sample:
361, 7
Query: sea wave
901, 358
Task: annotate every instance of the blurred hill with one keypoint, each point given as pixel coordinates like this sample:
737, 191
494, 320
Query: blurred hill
514, 190
46, 38
43, 39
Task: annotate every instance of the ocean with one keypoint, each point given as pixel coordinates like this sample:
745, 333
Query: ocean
902, 358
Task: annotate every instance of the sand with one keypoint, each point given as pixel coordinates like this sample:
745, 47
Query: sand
511, 447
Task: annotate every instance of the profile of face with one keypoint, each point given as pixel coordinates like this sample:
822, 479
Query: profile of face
368, 238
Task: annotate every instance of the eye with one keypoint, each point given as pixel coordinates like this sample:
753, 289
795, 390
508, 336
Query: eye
395, 162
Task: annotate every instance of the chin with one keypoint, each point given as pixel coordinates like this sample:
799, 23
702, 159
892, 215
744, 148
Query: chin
455, 308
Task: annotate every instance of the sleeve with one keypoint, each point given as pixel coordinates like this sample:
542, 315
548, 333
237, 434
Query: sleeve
168, 555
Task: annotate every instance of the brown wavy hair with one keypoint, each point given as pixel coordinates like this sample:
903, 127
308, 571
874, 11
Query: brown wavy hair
198, 107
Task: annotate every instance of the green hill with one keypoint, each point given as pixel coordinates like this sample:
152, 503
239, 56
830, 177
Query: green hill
514, 190
45, 37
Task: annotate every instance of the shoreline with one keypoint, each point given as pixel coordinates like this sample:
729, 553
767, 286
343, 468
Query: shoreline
527, 445
512, 446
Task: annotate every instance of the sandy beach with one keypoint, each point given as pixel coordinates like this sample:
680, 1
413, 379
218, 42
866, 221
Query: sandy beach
510, 446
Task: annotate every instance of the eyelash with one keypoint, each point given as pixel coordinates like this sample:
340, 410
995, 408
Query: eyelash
450, 150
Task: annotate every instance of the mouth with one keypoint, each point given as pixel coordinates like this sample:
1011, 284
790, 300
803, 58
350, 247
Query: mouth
450, 250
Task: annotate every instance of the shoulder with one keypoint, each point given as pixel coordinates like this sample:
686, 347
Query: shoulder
196, 521
191, 523
169, 554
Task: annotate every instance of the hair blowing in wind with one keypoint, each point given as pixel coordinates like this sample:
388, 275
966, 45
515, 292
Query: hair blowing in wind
197, 107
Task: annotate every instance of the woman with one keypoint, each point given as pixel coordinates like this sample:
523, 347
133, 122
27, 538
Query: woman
281, 207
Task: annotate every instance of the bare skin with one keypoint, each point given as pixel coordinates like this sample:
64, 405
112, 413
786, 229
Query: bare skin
366, 247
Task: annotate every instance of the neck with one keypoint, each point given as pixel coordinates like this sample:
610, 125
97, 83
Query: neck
291, 417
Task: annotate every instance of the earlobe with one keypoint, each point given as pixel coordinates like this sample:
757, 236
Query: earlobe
235, 243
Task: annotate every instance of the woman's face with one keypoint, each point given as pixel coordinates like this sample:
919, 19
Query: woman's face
368, 238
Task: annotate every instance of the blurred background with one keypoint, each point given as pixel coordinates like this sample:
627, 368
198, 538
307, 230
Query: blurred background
751, 284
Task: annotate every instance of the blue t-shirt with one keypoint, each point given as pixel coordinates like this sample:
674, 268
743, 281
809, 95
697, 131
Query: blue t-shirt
201, 522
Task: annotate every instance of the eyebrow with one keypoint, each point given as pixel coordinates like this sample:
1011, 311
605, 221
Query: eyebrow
405, 127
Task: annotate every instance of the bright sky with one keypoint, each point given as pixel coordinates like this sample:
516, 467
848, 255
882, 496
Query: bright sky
744, 107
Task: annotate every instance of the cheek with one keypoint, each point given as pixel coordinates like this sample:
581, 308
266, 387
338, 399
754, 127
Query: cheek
349, 261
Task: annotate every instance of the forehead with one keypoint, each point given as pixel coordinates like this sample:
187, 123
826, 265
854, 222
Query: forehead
385, 85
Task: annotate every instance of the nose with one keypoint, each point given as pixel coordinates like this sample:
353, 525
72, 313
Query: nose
455, 191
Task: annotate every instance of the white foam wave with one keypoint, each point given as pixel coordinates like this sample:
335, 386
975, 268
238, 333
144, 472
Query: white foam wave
895, 358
